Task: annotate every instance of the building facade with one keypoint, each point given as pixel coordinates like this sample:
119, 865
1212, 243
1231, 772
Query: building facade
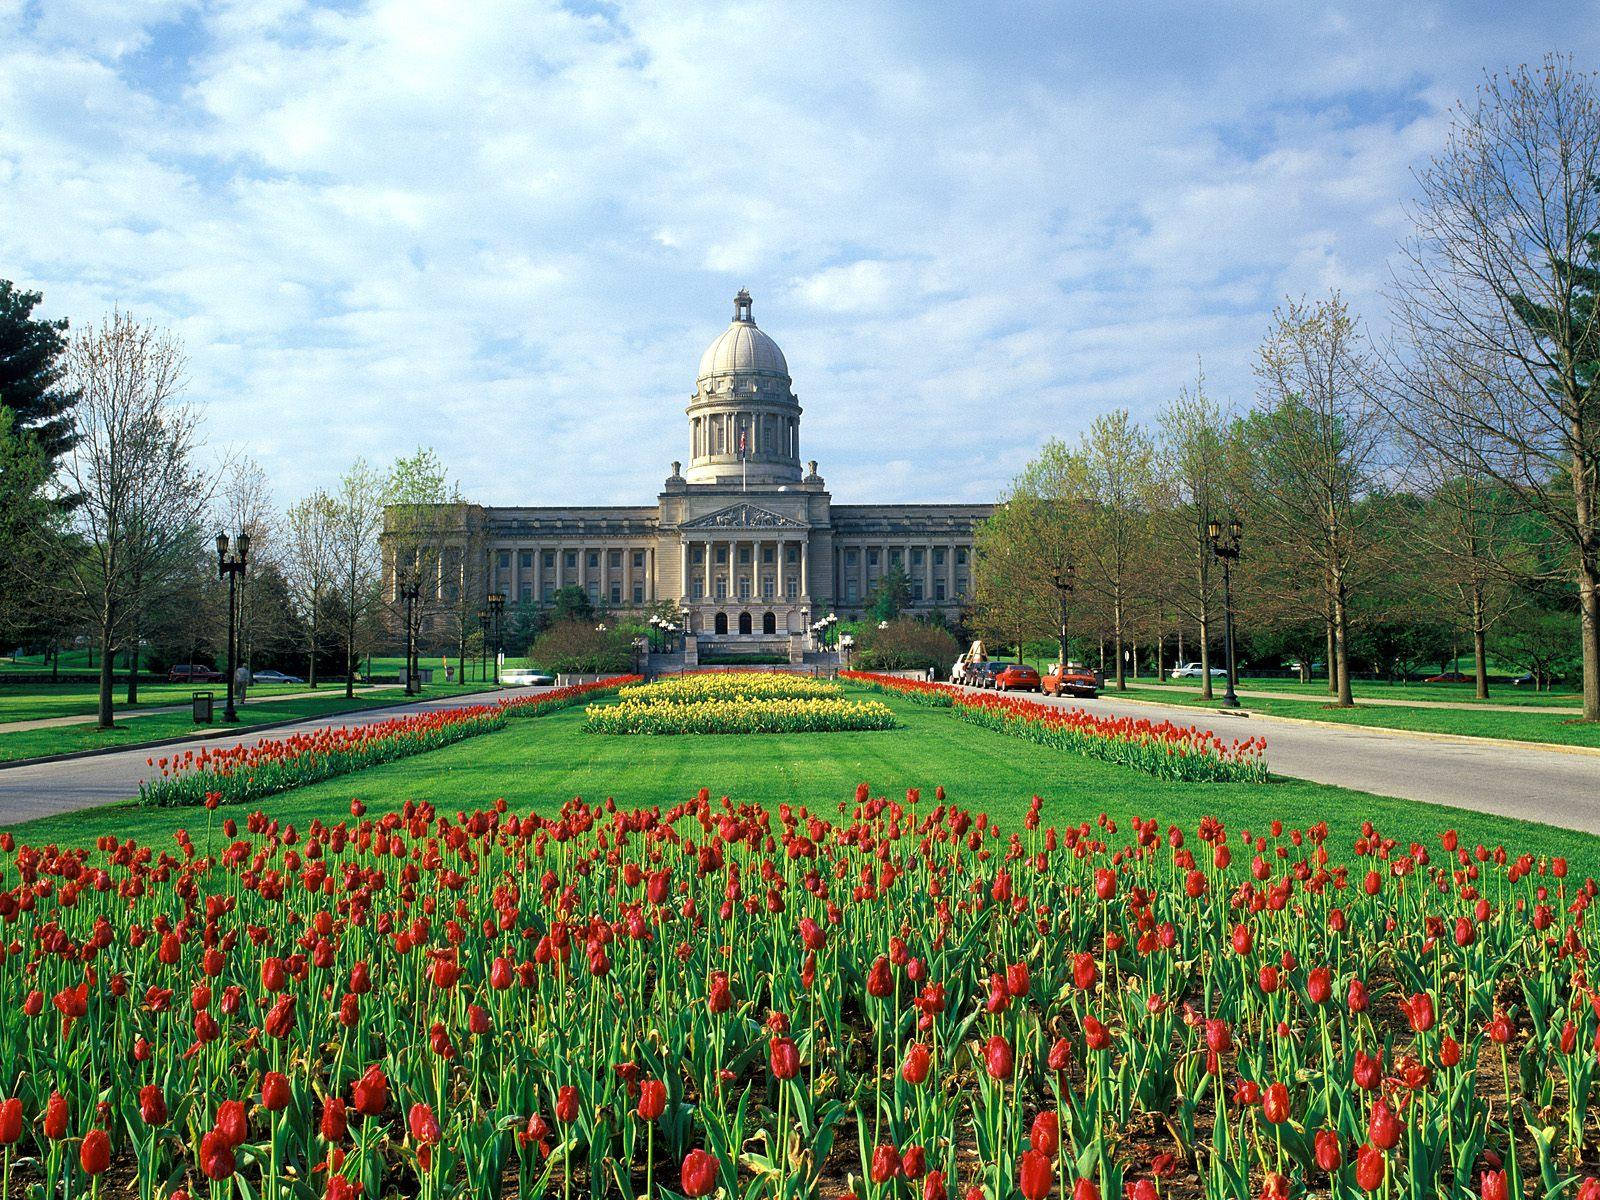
746, 542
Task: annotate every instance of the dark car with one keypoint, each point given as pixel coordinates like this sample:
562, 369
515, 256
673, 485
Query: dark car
274, 677
1448, 677
1016, 677
192, 673
981, 674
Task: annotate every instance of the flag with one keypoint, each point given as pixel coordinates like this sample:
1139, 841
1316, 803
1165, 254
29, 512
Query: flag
742, 436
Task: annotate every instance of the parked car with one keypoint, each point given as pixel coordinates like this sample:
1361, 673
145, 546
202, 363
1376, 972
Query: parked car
1016, 677
275, 677
1192, 671
1448, 677
1073, 680
523, 677
192, 673
1526, 679
981, 674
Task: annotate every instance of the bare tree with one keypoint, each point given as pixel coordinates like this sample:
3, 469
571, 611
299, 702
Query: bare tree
1496, 303
310, 565
141, 499
1194, 467
1117, 463
421, 516
245, 505
357, 520
1313, 453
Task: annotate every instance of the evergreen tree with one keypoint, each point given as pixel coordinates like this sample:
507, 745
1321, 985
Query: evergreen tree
33, 372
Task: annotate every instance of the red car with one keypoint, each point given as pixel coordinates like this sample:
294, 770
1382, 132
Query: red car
192, 673
1448, 677
1016, 677
1073, 681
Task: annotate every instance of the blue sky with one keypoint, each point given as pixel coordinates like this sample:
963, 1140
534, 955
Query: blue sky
508, 228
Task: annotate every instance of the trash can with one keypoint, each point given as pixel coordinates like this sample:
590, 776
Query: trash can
424, 676
203, 703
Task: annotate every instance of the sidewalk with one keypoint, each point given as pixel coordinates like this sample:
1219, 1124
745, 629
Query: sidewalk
1376, 701
129, 714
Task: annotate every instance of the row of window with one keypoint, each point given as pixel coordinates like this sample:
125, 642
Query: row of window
769, 588
547, 593
895, 558
697, 555
570, 559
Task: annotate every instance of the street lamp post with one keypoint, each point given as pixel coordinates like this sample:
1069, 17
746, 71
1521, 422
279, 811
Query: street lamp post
232, 569
847, 644
1066, 581
497, 608
1226, 550
410, 588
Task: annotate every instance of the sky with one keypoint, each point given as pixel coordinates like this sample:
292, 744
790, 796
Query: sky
507, 229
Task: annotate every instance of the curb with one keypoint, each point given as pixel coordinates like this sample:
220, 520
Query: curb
199, 734
1421, 734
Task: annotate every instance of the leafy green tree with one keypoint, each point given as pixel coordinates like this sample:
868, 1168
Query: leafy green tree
570, 603
892, 595
28, 526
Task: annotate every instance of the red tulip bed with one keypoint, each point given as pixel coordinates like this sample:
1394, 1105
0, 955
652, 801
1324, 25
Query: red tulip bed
250, 771
904, 1002
1185, 753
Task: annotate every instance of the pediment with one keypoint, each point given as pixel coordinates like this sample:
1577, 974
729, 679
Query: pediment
743, 516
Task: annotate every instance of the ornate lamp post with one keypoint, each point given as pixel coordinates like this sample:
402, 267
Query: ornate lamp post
1226, 550
497, 608
232, 569
847, 644
409, 586
1065, 581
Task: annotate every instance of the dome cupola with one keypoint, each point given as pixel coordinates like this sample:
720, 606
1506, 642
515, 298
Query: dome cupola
744, 418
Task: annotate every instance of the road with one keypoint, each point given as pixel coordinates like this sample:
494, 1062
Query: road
49, 789
1533, 783
131, 714
1381, 701
1551, 786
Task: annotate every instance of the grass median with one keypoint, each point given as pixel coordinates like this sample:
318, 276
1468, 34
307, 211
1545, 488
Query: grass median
68, 739
538, 765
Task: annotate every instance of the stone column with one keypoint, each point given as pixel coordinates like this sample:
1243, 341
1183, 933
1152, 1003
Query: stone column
783, 549
805, 584
683, 580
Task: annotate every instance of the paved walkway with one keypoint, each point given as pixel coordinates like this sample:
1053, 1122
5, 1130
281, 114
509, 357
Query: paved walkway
129, 714
49, 789
1531, 782
1380, 701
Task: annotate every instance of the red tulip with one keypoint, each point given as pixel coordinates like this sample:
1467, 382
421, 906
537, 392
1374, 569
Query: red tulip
1492, 1185
885, 1164
1017, 979
699, 1174
997, 1058
1275, 1103
152, 1105
1382, 1125
567, 1104
1327, 1150
1045, 1134
1370, 1167
785, 1058
918, 1061
232, 1123
274, 1092
216, 1156
334, 1124
369, 1095
94, 1155
652, 1099
424, 1126
10, 1122
1085, 1189
55, 1117
1035, 1175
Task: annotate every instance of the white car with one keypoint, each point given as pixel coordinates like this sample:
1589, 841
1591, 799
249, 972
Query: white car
1192, 671
520, 677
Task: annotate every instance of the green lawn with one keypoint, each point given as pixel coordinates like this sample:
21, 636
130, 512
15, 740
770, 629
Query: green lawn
40, 701
1449, 693
1532, 726
538, 764
63, 739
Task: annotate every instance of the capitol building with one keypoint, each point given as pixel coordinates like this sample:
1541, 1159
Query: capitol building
747, 542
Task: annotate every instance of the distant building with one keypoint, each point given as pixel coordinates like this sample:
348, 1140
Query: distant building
750, 546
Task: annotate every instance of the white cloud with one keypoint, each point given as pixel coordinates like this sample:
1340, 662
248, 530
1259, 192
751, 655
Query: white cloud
508, 229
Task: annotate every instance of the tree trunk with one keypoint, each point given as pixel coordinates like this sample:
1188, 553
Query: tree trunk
350, 657
55, 662
1061, 637
1589, 611
133, 667
1480, 649
1160, 660
1341, 644
1116, 644
1332, 660
1206, 690
311, 666
103, 710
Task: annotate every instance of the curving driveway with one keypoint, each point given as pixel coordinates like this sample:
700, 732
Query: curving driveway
1552, 786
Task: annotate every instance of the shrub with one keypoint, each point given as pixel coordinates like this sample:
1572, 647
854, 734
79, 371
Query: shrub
906, 645
579, 647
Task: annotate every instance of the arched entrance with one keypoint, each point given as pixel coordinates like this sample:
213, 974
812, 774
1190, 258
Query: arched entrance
769, 623
744, 622
721, 623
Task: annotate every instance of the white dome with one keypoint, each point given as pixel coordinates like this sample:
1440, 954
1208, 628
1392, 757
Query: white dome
742, 349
